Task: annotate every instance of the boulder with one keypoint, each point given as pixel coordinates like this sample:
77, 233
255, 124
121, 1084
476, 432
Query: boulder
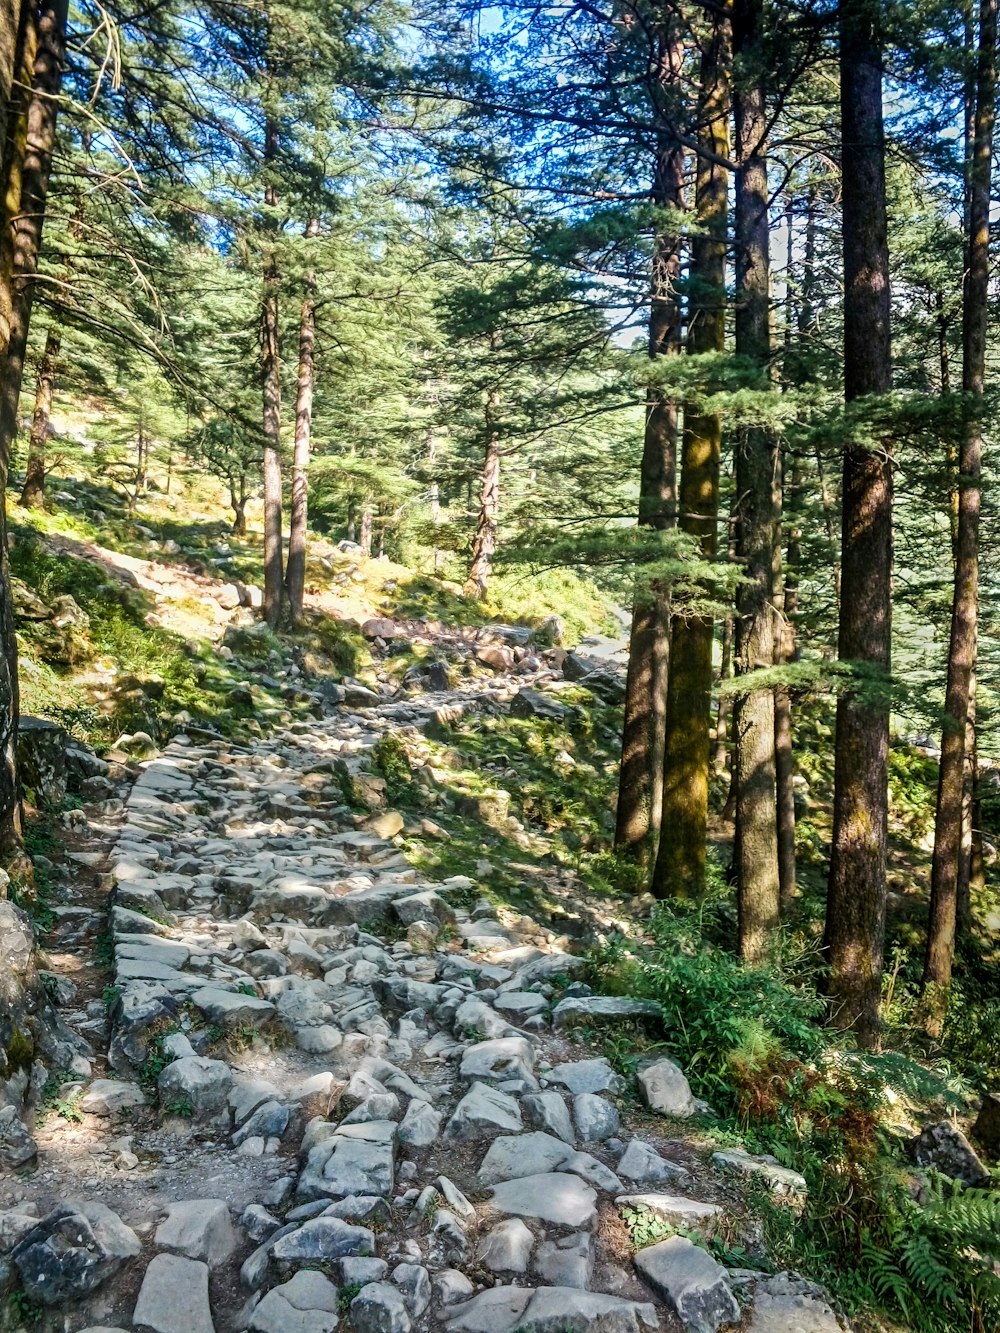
481, 1110
107, 1096
665, 1089
41, 760
692, 1284
596, 1118
556, 1197
173, 1297
23, 1003
72, 1251
588, 1008
507, 1247
307, 1303
199, 1229
987, 1126
202, 1083
502, 1060
379, 627
380, 1308
946, 1149
17, 1147
532, 703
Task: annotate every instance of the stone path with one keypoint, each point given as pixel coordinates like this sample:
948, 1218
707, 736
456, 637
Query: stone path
339, 1095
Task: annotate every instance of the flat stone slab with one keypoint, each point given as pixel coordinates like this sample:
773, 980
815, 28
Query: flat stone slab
482, 1109
675, 1209
780, 1179
199, 1229
229, 1009
358, 1159
500, 1060
173, 1297
786, 1304
692, 1284
554, 1196
551, 1310
587, 1008
107, 1096
533, 1154
587, 1076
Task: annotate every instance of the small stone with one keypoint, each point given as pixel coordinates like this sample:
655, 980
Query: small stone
692, 1284
507, 1248
451, 1286
387, 824
355, 1271
665, 1089
258, 1223
173, 1297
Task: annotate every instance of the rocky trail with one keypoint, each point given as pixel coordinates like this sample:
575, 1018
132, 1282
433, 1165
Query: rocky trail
302, 1087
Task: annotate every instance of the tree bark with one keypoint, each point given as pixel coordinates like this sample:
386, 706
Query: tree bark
484, 546
270, 375
367, 523
856, 897
757, 882
962, 647
33, 492
784, 753
295, 571
680, 859
25, 228
724, 706
640, 781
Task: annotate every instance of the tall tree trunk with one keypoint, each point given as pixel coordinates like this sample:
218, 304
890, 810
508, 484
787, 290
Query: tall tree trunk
367, 523
18, 72
295, 573
25, 229
784, 755
270, 375
33, 492
757, 881
724, 706
640, 780
856, 897
484, 546
680, 858
962, 646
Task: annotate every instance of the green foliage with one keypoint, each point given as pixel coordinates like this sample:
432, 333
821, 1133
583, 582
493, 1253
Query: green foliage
53, 1103
390, 757
716, 1010
156, 1060
644, 1227
179, 1106
346, 1293
23, 1309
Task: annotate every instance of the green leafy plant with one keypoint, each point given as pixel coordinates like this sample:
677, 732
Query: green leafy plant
347, 1294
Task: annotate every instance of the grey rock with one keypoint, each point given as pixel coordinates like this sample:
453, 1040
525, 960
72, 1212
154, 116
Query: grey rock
448, 1237
17, 1147
379, 1308
173, 1297
107, 1096
547, 1110
451, 1286
640, 1163
414, 1281
357, 1159
596, 1118
199, 1229
483, 1109
507, 1247
587, 1076
690, 1214
550, 1310
307, 1303
201, 1082
692, 1284
258, 1223
533, 1154
556, 1197
379, 1106
665, 1089
945, 1147
323, 1238
780, 1179
269, 1122
72, 1251
587, 1008
360, 1271
786, 1304
504, 1059
421, 1126
229, 1009
532, 703
567, 1261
